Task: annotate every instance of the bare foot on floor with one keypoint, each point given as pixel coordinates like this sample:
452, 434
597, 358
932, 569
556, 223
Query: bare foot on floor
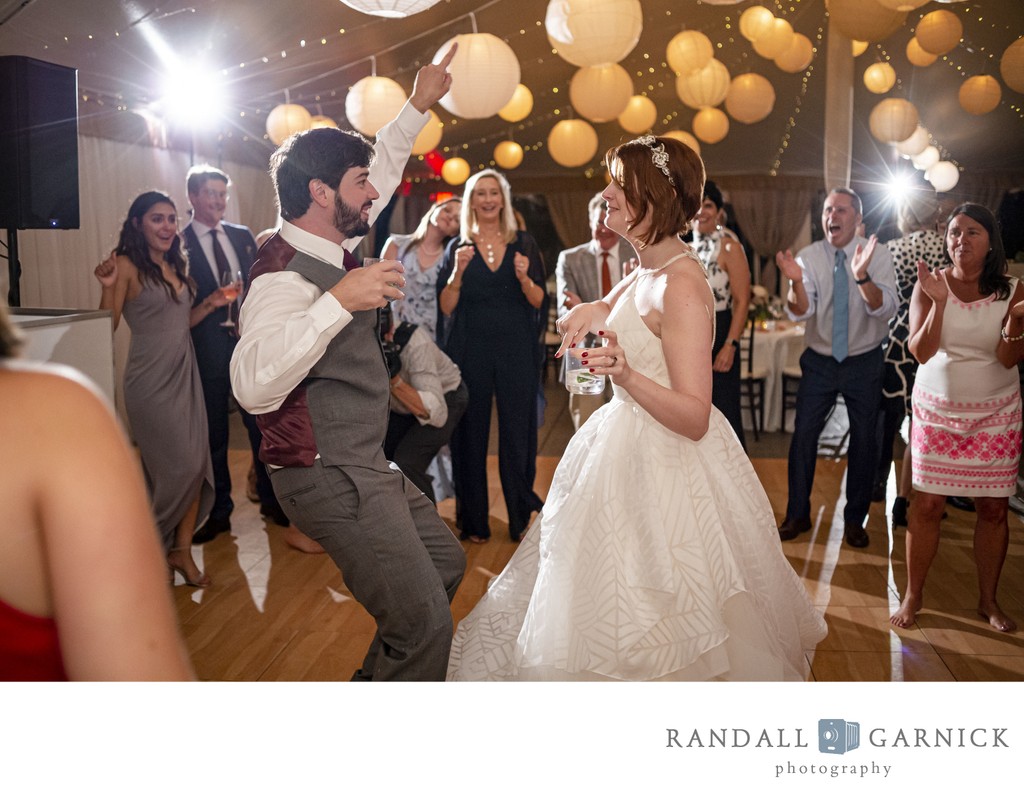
906, 614
997, 618
300, 541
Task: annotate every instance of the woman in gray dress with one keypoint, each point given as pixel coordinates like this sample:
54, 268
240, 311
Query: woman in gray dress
146, 279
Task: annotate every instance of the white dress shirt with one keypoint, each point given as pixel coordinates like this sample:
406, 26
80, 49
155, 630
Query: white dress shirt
202, 232
286, 321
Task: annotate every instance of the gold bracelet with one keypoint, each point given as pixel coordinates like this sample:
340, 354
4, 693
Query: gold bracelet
1008, 338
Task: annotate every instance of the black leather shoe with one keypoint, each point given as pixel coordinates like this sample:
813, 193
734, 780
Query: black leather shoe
855, 535
961, 503
791, 528
274, 513
211, 530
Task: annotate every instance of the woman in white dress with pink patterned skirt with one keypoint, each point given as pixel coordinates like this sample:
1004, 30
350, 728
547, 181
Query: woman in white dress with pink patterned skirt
656, 554
967, 331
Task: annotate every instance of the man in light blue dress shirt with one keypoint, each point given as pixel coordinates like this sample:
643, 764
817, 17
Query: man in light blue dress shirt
844, 290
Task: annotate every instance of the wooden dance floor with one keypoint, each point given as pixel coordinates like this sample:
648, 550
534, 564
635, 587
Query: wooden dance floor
277, 614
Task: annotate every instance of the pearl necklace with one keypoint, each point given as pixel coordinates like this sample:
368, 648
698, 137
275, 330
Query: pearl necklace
487, 245
652, 270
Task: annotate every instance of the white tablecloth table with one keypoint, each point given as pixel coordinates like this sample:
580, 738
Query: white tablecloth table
774, 349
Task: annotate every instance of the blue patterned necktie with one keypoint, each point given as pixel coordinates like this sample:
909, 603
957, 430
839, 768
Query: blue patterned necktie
840, 308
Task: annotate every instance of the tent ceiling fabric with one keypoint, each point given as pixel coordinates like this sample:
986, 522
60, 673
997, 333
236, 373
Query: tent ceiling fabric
258, 47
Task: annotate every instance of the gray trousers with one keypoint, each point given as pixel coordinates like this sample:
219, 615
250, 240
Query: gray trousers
396, 555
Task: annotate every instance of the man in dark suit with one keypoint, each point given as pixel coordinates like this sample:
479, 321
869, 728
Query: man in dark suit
220, 253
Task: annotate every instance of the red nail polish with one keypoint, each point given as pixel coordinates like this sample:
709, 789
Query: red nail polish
600, 333
585, 353
572, 344
583, 362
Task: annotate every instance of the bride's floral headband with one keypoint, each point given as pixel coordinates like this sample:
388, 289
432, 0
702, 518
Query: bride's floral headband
658, 155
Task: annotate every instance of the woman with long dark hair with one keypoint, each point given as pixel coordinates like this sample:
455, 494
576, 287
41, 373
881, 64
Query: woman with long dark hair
146, 279
967, 332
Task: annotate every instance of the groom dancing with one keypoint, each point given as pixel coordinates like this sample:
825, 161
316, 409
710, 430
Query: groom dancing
309, 364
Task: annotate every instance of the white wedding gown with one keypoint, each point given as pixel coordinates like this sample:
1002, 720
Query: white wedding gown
655, 557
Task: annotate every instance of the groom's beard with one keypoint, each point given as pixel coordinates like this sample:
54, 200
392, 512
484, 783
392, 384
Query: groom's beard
349, 220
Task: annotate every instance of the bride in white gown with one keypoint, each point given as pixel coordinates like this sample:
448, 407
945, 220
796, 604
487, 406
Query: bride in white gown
656, 555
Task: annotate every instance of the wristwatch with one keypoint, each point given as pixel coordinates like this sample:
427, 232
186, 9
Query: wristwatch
863, 280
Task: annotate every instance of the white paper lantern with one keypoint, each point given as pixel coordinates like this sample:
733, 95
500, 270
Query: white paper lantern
864, 20
508, 154
943, 176
893, 120
685, 137
322, 122
775, 40
706, 87
372, 102
751, 98
391, 8
600, 93
286, 120
917, 55
927, 157
797, 57
914, 144
572, 143
711, 125
455, 171
1011, 66
858, 47
429, 136
980, 94
688, 50
519, 106
639, 115
939, 32
593, 32
879, 78
484, 72
755, 21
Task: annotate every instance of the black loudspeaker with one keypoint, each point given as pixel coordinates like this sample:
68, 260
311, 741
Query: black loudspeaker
38, 145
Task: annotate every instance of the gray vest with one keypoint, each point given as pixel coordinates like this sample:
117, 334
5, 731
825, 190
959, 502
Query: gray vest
347, 391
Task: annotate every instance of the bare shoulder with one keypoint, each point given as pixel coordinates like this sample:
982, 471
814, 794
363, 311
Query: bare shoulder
686, 279
59, 396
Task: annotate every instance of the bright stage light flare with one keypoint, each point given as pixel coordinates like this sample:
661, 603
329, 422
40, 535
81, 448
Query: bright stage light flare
193, 96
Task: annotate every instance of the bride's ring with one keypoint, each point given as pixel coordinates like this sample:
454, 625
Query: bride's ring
615, 359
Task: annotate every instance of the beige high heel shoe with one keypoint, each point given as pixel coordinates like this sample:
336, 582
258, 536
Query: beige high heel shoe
202, 581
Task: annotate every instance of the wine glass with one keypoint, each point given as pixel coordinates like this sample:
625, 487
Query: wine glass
231, 291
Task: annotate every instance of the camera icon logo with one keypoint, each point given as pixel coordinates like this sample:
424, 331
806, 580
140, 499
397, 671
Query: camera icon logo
836, 736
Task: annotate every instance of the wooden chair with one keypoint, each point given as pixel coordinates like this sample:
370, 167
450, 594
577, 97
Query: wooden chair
752, 381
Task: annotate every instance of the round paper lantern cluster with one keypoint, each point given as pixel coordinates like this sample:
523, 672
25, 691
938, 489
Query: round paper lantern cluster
372, 102
939, 32
751, 98
980, 94
755, 22
572, 143
1011, 66
880, 77
711, 125
455, 171
508, 154
706, 87
485, 73
892, 120
858, 47
593, 32
917, 55
797, 57
429, 136
685, 137
639, 115
391, 8
926, 158
286, 120
914, 144
519, 106
943, 176
864, 20
688, 50
322, 122
600, 93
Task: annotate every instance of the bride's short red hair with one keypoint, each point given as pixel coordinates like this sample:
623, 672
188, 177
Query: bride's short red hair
672, 205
